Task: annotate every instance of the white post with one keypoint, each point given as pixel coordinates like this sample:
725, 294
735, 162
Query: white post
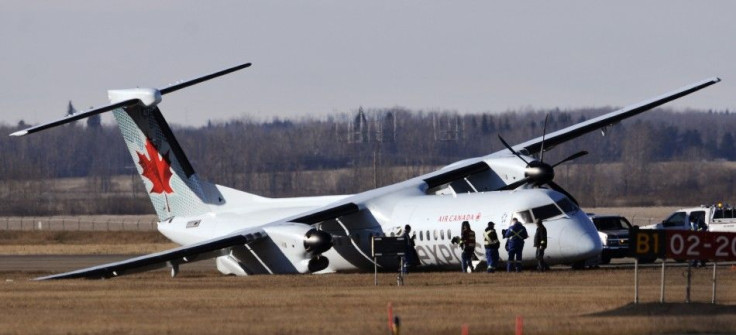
661, 292
636, 280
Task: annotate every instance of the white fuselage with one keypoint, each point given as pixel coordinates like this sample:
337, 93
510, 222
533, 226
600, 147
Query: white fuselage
434, 219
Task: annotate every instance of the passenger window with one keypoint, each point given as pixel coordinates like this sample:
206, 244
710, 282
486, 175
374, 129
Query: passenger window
435, 235
442, 234
427, 235
449, 235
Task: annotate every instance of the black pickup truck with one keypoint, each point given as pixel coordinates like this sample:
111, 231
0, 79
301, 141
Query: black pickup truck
614, 233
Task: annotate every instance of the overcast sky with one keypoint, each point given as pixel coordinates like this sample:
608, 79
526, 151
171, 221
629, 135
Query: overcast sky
313, 58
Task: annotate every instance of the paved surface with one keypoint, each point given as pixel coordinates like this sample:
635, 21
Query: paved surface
64, 263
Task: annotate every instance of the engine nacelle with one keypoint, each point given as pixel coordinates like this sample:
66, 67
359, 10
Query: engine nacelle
302, 245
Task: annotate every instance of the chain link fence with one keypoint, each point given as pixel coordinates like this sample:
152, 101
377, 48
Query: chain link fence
81, 223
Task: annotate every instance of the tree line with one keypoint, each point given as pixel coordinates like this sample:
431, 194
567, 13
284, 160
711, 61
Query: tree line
636, 162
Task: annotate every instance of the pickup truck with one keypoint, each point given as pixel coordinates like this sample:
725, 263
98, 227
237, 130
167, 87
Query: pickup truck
614, 233
716, 217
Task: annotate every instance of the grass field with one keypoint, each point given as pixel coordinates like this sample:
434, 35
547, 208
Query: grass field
557, 302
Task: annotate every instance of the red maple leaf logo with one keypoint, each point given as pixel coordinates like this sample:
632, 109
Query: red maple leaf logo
157, 170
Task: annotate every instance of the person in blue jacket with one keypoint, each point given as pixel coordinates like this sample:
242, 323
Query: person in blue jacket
516, 234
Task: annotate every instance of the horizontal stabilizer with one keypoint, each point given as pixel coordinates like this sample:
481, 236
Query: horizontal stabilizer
77, 116
130, 100
195, 81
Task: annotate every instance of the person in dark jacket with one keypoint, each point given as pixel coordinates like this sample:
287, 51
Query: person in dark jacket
410, 255
516, 235
540, 242
467, 243
491, 243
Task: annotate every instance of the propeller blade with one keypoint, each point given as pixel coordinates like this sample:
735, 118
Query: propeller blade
512, 150
515, 184
573, 156
557, 188
544, 133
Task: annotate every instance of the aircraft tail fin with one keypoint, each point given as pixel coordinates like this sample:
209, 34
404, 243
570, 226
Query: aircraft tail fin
169, 178
172, 184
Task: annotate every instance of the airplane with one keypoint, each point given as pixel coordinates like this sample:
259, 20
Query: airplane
248, 234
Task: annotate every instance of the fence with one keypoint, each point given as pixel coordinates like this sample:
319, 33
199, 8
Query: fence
112, 223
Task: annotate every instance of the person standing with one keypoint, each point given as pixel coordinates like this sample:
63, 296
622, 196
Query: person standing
410, 253
697, 225
491, 242
540, 242
516, 235
467, 243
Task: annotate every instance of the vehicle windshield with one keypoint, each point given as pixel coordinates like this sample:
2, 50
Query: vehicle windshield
675, 220
611, 223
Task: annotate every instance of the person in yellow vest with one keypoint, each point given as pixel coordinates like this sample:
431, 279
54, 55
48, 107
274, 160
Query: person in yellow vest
491, 243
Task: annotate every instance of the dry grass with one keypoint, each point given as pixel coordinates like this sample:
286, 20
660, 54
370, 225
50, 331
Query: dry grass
431, 303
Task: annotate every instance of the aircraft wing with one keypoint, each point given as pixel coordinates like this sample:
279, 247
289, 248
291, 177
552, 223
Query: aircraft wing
569, 133
185, 254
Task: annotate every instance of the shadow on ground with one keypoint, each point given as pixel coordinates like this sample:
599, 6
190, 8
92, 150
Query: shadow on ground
668, 309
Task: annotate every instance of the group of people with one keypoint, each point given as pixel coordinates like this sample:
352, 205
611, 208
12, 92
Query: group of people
514, 235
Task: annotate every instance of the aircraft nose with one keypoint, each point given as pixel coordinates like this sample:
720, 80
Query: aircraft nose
579, 240
588, 245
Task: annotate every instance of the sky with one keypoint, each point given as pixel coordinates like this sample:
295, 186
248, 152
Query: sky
317, 58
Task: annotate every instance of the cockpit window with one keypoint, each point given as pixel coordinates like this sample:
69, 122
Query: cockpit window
546, 212
524, 216
567, 205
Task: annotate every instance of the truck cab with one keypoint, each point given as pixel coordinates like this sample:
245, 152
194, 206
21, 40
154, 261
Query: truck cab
717, 218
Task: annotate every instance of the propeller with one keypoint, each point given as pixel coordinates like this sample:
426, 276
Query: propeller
538, 172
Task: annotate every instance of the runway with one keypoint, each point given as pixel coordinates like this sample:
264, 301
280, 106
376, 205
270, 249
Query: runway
64, 263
